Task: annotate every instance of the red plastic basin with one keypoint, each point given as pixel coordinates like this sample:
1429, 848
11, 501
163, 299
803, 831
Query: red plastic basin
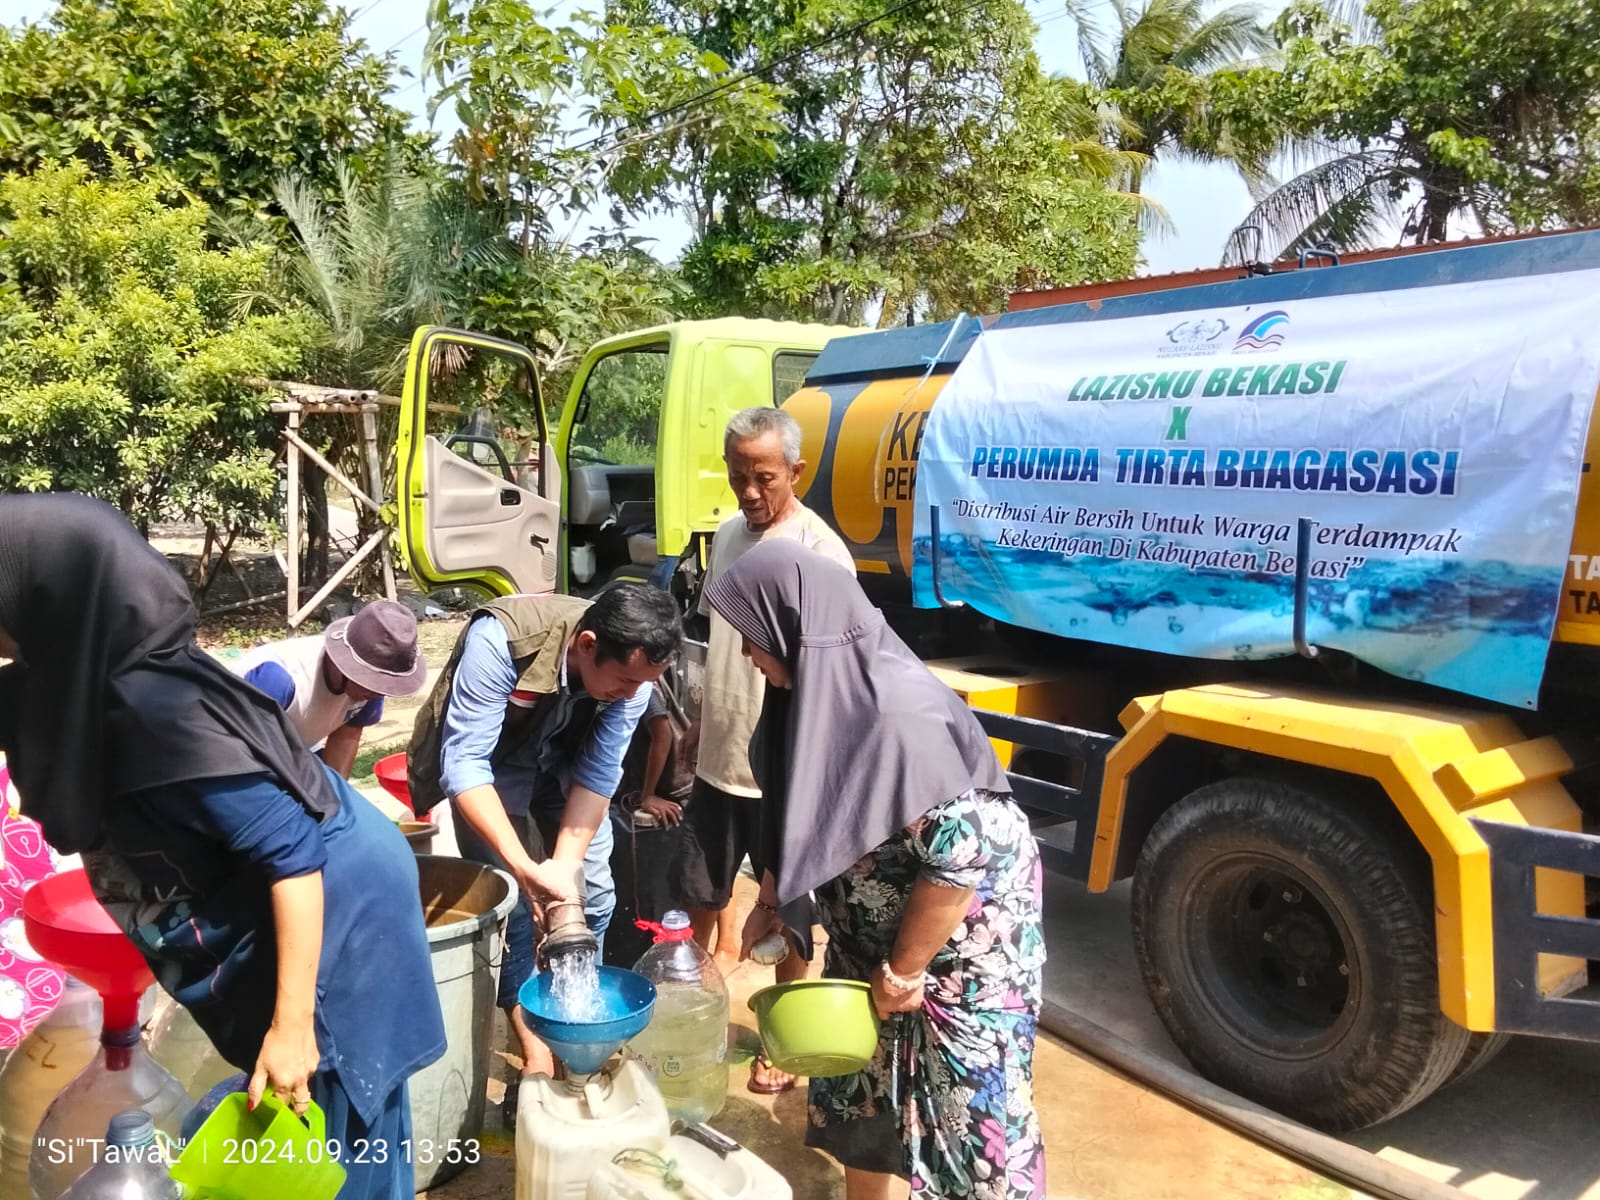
391, 773
65, 924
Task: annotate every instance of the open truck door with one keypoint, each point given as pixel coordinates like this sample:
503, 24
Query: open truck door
480, 484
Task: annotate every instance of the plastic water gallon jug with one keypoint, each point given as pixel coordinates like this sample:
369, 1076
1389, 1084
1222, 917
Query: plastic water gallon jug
686, 1043
699, 1163
566, 1129
179, 1044
120, 1077
48, 1059
130, 1164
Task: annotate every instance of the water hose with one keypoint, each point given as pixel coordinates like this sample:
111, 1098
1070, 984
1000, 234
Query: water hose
1350, 1165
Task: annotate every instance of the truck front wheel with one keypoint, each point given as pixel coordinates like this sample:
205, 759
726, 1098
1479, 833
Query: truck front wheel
1287, 942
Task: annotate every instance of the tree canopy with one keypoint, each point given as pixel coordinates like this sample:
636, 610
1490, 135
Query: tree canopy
1425, 112
836, 160
128, 359
1154, 68
223, 97
922, 158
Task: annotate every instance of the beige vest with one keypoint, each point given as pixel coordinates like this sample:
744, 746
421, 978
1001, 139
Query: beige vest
538, 629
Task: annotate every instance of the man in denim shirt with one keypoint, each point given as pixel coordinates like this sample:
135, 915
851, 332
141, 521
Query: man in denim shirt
528, 726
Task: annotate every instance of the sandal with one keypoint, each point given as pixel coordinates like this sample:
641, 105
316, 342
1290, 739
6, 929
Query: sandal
769, 1088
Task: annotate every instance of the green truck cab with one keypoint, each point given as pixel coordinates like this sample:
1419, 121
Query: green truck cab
494, 499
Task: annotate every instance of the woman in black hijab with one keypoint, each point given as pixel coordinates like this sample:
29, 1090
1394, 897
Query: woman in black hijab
881, 792
269, 898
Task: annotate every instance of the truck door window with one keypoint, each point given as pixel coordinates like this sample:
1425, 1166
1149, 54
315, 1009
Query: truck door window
789, 369
619, 409
499, 424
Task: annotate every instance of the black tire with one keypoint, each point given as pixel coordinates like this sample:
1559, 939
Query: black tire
1482, 1049
1287, 942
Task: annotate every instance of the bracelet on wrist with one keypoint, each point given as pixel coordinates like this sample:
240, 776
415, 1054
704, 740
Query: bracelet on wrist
766, 908
898, 983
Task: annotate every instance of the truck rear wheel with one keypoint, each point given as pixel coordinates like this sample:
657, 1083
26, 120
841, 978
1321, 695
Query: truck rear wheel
1287, 942
1482, 1050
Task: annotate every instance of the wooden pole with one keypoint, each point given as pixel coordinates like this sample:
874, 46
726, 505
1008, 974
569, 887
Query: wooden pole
241, 605
339, 576
292, 583
369, 448
339, 477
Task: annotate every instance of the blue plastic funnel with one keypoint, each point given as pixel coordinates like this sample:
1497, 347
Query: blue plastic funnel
583, 1046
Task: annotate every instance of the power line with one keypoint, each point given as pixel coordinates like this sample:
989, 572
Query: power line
407, 37
365, 9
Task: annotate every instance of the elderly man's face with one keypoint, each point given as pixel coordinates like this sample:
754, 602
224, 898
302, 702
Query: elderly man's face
761, 481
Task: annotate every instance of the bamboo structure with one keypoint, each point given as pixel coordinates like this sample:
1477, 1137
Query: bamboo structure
302, 402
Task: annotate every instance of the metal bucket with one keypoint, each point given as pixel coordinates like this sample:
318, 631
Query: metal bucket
464, 906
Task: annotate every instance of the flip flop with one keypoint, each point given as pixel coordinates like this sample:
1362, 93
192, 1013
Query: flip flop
767, 1089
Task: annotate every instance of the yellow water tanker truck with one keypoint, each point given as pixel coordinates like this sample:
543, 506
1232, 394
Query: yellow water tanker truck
1276, 596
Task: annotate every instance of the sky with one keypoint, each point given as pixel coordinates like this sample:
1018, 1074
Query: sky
1203, 202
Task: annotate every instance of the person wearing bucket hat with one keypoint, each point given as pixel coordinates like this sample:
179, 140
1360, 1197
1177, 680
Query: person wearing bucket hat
332, 685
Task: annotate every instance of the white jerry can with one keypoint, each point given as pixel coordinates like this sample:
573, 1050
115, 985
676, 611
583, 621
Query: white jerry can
698, 1164
565, 1129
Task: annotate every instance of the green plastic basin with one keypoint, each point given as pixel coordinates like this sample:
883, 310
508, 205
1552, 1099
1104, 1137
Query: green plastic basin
817, 1027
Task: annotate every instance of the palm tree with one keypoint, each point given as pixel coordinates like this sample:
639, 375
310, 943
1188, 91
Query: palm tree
1345, 195
1353, 199
1388, 167
1154, 71
398, 250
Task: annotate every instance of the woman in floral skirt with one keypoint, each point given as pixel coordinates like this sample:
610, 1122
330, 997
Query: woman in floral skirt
881, 793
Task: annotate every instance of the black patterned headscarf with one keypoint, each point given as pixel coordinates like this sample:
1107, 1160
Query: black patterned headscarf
866, 741
113, 695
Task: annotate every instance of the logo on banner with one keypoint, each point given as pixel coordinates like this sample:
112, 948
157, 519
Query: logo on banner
1193, 339
1266, 332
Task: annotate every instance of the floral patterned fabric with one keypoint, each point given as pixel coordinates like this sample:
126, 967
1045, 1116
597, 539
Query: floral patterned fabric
29, 986
948, 1100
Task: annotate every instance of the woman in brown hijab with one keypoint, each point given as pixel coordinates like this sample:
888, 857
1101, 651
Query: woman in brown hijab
880, 792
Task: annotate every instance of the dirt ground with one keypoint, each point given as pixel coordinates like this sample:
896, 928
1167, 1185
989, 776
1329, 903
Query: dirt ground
1106, 1138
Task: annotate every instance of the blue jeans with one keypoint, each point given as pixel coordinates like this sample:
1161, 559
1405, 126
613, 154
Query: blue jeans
599, 893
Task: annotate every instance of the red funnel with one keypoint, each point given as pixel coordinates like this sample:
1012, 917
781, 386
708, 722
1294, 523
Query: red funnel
65, 923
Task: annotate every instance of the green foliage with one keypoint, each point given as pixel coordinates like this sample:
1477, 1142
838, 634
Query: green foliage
558, 301
395, 250
225, 96
620, 411
1435, 110
924, 160
556, 119
127, 359
1156, 73
559, 131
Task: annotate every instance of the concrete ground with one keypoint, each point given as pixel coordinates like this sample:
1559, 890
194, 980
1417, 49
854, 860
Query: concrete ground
1522, 1128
